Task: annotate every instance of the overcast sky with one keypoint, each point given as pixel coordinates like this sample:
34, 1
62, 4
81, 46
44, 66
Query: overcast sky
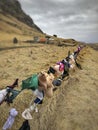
77, 19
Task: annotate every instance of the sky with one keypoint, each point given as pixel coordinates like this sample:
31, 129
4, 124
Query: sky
77, 19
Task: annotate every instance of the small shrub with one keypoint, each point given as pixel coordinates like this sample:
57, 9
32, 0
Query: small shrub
55, 35
15, 40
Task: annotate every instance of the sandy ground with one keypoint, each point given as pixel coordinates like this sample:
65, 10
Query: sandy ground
74, 105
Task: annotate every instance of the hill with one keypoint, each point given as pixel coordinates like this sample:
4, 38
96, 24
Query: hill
15, 23
94, 46
13, 8
11, 27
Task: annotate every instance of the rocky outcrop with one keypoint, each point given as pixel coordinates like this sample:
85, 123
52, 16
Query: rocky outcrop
13, 7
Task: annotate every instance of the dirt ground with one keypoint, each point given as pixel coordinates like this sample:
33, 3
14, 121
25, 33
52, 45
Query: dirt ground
74, 105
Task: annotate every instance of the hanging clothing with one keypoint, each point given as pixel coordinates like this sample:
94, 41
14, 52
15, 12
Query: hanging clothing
30, 83
26, 114
3, 93
25, 125
39, 94
12, 114
12, 95
15, 83
57, 82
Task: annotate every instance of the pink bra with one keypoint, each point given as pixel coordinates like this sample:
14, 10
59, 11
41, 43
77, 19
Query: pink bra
61, 66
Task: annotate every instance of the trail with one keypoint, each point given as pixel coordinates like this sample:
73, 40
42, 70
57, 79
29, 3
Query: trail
17, 47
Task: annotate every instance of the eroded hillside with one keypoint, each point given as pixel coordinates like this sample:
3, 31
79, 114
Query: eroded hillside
13, 8
74, 105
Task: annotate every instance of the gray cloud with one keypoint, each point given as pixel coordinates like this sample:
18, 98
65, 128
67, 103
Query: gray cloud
76, 19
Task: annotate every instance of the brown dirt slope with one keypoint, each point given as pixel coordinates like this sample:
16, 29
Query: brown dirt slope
74, 105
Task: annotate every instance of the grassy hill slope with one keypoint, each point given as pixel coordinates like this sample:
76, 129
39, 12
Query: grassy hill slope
10, 27
74, 105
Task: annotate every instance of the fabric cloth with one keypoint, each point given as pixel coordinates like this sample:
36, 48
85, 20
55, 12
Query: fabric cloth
25, 125
79, 48
61, 66
30, 83
66, 63
51, 70
38, 101
12, 95
27, 112
3, 93
12, 114
77, 52
38, 94
14, 84
57, 82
